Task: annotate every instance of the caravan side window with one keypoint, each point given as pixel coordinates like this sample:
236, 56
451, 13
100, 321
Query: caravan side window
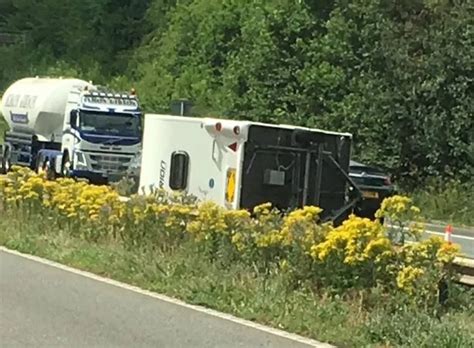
179, 170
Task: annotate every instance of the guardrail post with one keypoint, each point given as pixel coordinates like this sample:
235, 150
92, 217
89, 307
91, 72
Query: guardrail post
443, 291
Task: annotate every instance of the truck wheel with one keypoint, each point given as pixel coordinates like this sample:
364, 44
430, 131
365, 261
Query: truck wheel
48, 168
6, 161
39, 167
65, 166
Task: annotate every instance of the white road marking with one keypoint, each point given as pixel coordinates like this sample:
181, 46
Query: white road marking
224, 316
453, 235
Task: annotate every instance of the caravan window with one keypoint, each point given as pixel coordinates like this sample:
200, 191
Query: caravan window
179, 170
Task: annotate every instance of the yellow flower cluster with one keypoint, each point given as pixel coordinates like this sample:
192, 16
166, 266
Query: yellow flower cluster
396, 205
446, 253
402, 213
67, 197
359, 249
302, 226
407, 278
429, 251
209, 221
356, 240
20, 185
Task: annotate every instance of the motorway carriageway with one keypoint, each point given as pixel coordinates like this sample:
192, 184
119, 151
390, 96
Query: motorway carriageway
45, 304
463, 236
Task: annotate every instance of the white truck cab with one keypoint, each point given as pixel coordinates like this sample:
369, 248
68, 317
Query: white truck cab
101, 135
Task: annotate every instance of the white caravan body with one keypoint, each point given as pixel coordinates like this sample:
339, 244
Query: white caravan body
240, 164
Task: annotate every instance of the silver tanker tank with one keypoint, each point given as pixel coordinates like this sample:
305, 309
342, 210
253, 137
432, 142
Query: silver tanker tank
37, 106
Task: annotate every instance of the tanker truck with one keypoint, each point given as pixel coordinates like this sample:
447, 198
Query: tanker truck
70, 128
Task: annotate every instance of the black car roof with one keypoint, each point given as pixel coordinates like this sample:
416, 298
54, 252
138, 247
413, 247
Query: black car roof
365, 167
354, 163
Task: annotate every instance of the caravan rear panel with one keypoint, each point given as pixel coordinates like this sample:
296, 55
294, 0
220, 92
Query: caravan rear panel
295, 167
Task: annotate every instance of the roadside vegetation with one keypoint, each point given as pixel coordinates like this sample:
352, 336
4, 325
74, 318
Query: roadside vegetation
451, 201
3, 128
444, 202
395, 74
353, 285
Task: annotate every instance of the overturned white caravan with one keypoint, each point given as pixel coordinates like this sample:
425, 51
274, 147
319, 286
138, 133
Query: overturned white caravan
241, 164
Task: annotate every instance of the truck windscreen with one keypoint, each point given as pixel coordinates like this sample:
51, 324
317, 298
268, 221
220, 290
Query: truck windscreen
116, 124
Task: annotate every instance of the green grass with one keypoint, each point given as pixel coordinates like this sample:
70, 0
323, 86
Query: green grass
3, 127
182, 273
450, 202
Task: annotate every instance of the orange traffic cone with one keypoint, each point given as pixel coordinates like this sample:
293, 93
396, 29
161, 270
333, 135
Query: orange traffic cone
447, 234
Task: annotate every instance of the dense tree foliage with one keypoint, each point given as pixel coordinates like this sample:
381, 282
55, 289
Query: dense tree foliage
396, 74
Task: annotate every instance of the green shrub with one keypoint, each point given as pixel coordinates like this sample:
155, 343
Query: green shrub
451, 201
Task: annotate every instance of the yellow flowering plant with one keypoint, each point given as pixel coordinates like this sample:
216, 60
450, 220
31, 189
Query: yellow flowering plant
355, 253
301, 229
403, 216
359, 253
148, 222
430, 256
407, 278
221, 234
267, 237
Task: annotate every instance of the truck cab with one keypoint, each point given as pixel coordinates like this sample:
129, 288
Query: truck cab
101, 136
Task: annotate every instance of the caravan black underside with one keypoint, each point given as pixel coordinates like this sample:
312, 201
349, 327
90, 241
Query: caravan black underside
295, 168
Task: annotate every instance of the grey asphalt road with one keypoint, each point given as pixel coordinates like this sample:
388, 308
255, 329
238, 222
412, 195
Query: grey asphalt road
463, 236
43, 306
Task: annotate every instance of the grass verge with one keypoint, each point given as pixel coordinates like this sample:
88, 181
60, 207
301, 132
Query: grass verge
3, 127
450, 202
345, 321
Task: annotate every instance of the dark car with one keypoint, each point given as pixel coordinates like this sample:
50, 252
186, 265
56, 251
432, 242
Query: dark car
374, 184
